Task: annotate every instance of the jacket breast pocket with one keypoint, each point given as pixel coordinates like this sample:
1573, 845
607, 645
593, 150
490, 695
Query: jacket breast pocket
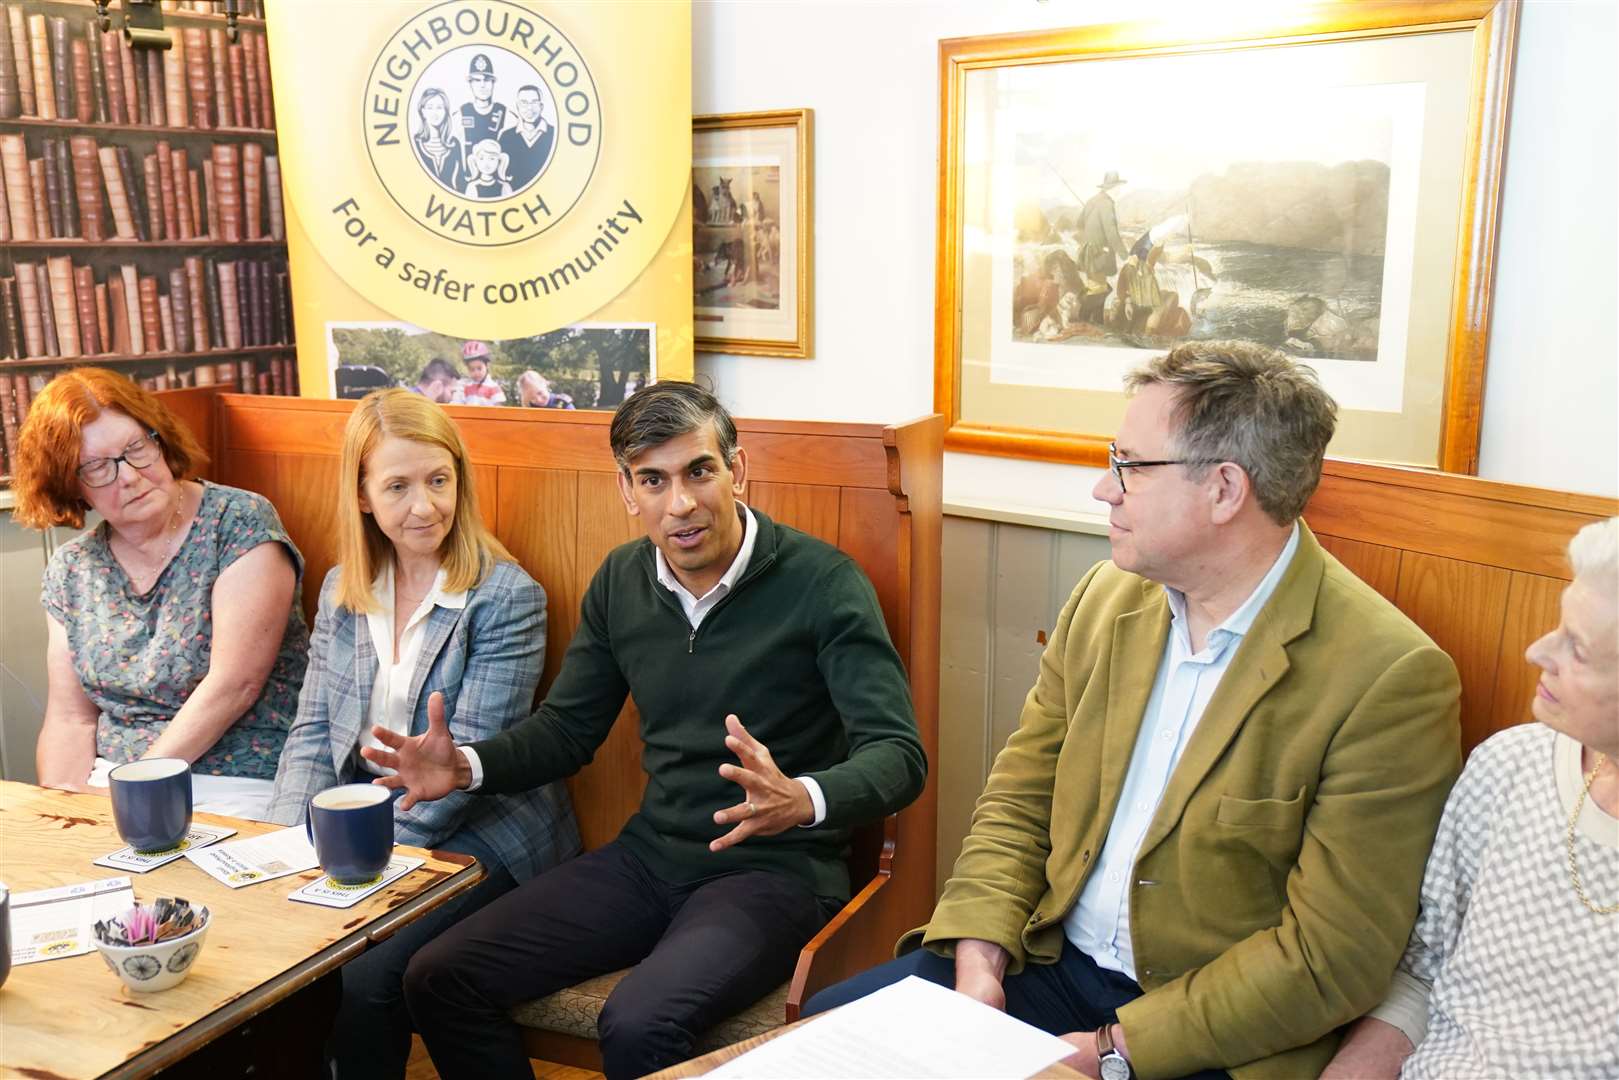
1262, 813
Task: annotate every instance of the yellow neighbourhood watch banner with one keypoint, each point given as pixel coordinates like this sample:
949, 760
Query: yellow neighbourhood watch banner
485, 169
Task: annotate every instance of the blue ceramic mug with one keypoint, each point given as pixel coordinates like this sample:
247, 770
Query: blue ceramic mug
151, 802
352, 828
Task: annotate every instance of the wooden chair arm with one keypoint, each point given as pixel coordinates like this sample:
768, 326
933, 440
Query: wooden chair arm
844, 947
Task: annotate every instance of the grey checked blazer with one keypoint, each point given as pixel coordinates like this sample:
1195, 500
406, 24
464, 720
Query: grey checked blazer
486, 659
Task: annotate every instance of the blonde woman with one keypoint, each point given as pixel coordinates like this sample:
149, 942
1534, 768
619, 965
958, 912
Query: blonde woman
424, 602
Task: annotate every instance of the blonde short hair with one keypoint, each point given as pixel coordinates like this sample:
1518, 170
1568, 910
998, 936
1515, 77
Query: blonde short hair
1594, 553
469, 551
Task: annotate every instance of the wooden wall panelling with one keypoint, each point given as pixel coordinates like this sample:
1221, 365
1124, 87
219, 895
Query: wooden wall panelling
831, 460
248, 423
602, 800
195, 409
1461, 606
1076, 554
1376, 565
1025, 565
1451, 523
795, 452
914, 454
866, 532
810, 508
966, 666
302, 487
486, 478
1533, 610
537, 518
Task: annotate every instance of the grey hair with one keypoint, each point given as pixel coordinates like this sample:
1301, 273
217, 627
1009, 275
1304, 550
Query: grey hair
1245, 403
667, 410
1594, 552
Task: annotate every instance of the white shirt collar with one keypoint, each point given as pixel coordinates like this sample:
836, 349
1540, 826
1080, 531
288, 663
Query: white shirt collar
382, 591
739, 565
1239, 622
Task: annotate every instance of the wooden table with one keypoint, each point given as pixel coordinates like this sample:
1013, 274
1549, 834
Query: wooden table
701, 1066
74, 1018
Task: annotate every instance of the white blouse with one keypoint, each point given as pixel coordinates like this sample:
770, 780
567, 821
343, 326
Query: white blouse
390, 693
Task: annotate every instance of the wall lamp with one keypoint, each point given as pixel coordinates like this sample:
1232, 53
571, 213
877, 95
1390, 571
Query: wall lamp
143, 23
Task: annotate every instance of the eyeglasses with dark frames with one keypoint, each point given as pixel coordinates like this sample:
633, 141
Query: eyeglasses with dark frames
143, 452
1116, 465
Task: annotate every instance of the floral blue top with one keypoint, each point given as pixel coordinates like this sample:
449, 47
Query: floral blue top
140, 655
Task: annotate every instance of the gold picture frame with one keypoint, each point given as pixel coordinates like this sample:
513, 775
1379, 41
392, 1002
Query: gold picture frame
753, 245
1033, 330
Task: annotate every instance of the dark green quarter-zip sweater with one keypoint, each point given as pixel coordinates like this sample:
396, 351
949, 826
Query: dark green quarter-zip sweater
797, 650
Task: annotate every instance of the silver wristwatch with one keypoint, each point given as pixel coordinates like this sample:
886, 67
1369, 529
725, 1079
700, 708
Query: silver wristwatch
1111, 1064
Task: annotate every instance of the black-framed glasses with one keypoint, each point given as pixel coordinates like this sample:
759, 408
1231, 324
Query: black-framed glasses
1116, 465
99, 472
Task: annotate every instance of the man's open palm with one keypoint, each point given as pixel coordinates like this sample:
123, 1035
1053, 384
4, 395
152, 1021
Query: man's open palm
427, 766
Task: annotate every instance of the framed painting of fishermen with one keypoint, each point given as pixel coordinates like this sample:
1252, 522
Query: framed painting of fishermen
752, 252
1324, 181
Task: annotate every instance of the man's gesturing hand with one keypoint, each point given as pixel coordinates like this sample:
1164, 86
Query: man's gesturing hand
427, 766
771, 802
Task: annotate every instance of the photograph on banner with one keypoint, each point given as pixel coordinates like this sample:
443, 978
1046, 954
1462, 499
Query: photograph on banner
585, 366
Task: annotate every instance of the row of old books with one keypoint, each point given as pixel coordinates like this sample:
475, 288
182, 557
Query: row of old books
253, 9
57, 309
262, 375
78, 188
53, 67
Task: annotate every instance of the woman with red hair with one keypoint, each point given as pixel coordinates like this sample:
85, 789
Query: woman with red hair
173, 630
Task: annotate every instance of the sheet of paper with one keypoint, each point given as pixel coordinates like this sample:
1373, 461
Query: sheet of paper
258, 858
333, 894
198, 836
49, 924
911, 1029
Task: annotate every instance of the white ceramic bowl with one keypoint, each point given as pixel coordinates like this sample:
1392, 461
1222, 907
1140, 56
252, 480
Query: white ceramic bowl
145, 968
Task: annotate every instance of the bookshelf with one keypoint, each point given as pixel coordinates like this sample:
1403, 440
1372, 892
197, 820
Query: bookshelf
141, 222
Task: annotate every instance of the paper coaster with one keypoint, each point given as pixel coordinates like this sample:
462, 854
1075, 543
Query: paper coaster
258, 858
198, 836
49, 924
329, 893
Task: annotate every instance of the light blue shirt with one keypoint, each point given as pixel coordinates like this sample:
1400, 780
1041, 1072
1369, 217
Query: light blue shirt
1099, 924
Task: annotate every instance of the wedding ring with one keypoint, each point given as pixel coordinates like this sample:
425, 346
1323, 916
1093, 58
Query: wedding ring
752, 809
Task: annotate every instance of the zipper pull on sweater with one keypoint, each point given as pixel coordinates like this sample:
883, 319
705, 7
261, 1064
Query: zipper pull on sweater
691, 642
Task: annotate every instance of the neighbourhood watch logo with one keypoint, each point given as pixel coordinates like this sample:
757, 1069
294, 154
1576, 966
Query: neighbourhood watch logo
483, 122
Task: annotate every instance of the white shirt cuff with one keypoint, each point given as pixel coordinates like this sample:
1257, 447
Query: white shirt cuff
817, 800
475, 765
1406, 1006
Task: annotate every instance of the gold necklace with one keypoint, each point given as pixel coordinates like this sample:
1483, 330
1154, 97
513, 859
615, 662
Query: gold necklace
152, 570
1573, 820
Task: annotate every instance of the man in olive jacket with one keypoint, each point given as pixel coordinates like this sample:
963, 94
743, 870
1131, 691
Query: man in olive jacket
1201, 850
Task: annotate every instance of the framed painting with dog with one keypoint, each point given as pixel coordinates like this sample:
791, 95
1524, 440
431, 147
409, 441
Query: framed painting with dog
1323, 180
752, 248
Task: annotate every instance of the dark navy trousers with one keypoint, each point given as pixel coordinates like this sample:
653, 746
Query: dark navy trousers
1074, 994
700, 950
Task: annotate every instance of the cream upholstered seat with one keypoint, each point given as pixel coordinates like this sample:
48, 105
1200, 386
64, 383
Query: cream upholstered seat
573, 1011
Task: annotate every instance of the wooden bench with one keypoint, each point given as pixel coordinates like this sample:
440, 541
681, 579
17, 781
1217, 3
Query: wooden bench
1479, 565
547, 487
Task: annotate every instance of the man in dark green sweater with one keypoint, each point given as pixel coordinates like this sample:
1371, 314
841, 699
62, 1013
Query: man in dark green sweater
775, 715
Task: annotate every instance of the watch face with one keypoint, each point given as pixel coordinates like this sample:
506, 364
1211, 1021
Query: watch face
1114, 1067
